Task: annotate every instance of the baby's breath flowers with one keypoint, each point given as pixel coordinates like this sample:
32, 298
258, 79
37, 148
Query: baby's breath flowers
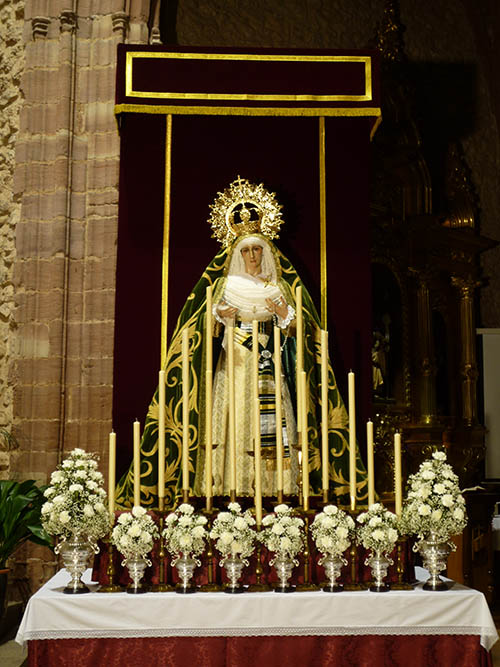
233, 532
332, 531
434, 503
76, 499
377, 529
134, 533
282, 532
185, 532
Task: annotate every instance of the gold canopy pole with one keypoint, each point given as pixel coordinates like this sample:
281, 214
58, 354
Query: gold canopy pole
322, 221
166, 240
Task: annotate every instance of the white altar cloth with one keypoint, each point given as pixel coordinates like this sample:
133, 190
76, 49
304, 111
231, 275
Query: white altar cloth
51, 614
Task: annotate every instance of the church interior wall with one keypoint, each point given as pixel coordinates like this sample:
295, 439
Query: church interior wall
59, 155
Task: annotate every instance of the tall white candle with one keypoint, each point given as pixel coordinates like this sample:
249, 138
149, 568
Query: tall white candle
352, 440
398, 490
185, 410
112, 474
208, 399
324, 411
305, 444
232, 408
137, 462
370, 462
258, 466
300, 351
161, 434
279, 409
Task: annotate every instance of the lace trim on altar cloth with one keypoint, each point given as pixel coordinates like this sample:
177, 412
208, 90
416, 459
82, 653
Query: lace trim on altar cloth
486, 639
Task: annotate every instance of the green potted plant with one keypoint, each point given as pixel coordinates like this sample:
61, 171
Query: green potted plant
20, 521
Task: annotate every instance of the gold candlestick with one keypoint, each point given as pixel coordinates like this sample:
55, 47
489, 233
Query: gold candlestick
162, 586
259, 585
401, 584
110, 587
307, 584
211, 585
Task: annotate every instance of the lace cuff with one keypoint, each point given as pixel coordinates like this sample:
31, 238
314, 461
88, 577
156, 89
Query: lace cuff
284, 323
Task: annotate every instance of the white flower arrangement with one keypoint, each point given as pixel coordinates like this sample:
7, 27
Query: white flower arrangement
185, 532
332, 531
378, 529
134, 533
434, 503
76, 499
233, 532
282, 533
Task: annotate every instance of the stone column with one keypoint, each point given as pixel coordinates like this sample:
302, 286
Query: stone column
426, 358
468, 365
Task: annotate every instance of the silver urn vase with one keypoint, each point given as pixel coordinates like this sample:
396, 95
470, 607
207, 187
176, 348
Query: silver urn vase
379, 564
75, 553
233, 566
434, 551
333, 564
185, 565
136, 565
283, 566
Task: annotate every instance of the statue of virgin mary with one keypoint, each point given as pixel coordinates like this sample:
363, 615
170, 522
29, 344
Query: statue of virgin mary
251, 280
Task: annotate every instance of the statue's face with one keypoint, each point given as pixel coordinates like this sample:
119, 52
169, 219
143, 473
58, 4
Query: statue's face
252, 256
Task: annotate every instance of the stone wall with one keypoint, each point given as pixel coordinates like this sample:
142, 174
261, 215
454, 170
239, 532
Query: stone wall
11, 67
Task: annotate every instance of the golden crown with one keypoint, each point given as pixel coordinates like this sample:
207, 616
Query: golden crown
244, 208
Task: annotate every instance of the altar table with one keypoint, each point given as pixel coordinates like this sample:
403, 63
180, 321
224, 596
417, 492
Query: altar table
413, 627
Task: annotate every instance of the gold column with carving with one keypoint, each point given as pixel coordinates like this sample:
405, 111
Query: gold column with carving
468, 366
427, 364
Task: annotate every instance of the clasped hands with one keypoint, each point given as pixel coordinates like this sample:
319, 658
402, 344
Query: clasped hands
280, 309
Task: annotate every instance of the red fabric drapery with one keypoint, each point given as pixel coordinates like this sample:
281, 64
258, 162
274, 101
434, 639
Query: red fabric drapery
347, 651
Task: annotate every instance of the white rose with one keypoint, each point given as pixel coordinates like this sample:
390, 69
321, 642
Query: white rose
330, 509
240, 523
439, 488
267, 520
91, 484
458, 513
439, 456
99, 507
327, 522
145, 536
49, 492
325, 542
67, 464
88, 510
226, 537
424, 510
236, 547
392, 534
134, 530
138, 511
447, 500
378, 534
198, 531
294, 531
428, 474
185, 541
224, 516
56, 477
74, 488
436, 515
285, 543
375, 521
58, 500
124, 518
46, 508
342, 532
64, 517
82, 474
186, 508
124, 541
234, 507
171, 518
185, 520
278, 529
281, 509
78, 451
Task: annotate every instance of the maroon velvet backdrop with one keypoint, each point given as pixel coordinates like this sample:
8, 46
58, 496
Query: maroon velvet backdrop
208, 152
